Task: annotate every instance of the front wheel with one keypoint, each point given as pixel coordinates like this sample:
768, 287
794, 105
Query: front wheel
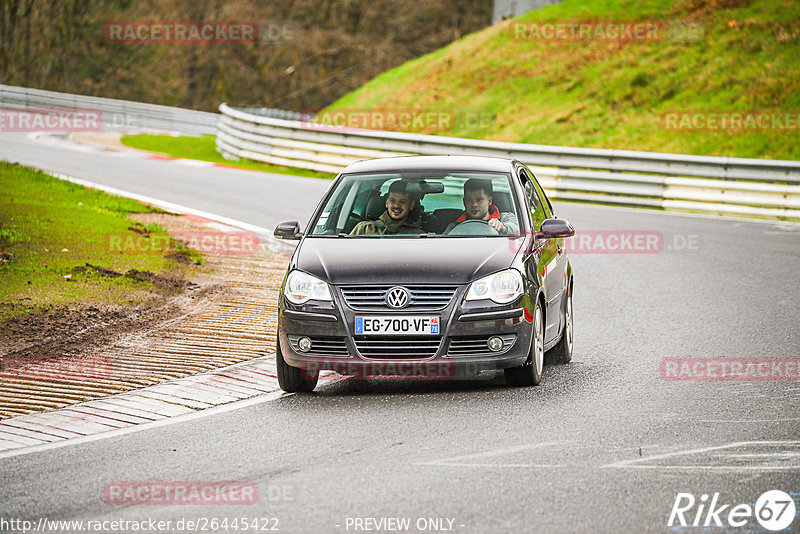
530, 373
291, 379
562, 352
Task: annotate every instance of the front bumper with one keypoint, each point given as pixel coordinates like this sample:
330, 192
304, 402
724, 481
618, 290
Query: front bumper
459, 351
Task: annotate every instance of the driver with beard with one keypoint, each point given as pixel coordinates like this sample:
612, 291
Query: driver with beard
400, 216
478, 206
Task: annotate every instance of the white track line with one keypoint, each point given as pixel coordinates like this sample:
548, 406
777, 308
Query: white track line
494, 466
637, 463
163, 204
458, 460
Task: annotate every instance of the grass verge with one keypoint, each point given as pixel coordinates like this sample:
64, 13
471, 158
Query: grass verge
715, 57
203, 148
57, 246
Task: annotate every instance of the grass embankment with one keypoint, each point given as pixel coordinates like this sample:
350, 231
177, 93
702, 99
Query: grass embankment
64, 244
732, 55
203, 148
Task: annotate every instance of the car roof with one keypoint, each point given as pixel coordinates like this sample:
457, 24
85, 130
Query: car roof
446, 163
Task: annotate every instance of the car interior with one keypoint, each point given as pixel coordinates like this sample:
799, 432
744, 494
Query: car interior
439, 203
437, 220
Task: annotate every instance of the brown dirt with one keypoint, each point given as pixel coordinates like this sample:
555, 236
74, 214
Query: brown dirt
105, 140
71, 329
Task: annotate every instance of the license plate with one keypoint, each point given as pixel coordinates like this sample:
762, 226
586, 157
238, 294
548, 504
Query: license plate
366, 325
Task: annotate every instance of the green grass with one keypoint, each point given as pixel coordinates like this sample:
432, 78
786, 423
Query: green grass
608, 94
50, 229
203, 148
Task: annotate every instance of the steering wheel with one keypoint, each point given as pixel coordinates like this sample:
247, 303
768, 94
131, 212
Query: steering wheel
473, 227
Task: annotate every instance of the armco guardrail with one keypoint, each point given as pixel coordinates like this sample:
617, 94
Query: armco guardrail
116, 114
732, 186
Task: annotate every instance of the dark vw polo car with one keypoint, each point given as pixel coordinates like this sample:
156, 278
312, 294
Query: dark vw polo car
426, 266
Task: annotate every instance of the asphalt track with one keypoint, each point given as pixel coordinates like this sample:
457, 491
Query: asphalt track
605, 444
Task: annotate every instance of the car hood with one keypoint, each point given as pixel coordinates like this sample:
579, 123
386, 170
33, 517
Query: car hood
404, 261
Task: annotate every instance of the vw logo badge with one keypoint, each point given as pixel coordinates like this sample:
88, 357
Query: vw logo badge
397, 297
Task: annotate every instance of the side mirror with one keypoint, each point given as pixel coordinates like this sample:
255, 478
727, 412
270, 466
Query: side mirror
288, 230
556, 228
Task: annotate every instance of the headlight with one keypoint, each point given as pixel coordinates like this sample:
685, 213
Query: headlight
502, 287
301, 287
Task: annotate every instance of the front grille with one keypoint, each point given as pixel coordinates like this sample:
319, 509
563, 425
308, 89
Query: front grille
476, 345
397, 346
322, 346
420, 297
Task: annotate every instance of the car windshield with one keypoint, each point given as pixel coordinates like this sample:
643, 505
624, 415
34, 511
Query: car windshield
429, 204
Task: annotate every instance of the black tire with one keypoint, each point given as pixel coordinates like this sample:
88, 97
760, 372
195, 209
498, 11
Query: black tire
291, 379
530, 373
562, 352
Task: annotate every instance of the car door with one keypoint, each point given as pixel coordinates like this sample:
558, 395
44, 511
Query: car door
546, 262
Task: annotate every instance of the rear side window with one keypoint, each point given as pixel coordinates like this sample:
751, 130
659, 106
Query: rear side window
533, 200
548, 208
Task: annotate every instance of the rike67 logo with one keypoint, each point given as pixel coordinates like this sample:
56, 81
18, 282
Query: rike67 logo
774, 510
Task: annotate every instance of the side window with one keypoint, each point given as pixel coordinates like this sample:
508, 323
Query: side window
533, 200
549, 207
362, 197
